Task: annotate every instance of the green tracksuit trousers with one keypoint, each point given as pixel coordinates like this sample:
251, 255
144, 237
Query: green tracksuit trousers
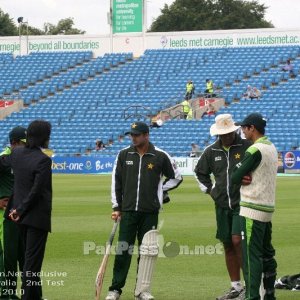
11, 255
133, 225
258, 258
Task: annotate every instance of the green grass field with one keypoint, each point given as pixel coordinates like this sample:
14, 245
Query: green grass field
81, 213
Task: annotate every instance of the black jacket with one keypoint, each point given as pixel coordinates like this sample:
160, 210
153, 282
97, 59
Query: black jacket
220, 163
137, 181
32, 192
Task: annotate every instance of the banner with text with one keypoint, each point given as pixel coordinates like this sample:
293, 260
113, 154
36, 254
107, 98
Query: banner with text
128, 36
223, 39
82, 165
23, 45
99, 164
127, 16
291, 160
186, 165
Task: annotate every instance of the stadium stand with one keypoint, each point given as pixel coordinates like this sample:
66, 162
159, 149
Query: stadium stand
86, 98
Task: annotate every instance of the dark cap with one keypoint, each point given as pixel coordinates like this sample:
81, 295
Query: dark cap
255, 119
18, 134
138, 128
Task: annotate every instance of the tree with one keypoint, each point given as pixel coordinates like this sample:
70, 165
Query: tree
31, 30
189, 15
64, 26
9, 28
7, 25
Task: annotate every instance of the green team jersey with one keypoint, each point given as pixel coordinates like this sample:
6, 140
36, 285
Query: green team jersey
6, 178
249, 163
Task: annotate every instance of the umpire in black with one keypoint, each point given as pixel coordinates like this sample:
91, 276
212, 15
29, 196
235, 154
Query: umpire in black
32, 202
141, 177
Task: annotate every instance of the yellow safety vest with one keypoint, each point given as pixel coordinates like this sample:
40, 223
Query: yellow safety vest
210, 86
186, 106
189, 87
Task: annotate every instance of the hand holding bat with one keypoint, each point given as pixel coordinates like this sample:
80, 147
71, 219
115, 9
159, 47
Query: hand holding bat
102, 268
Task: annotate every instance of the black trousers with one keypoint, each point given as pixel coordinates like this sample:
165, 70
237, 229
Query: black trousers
34, 244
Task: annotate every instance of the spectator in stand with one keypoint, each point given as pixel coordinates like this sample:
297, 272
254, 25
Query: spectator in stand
210, 110
156, 121
121, 138
209, 88
195, 150
252, 93
99, 145
110, 143
288, 67
256, 93
248, 92
190, 90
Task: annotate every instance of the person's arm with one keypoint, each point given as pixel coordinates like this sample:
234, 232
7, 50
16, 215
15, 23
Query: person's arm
249, 163
202, 173
42, 173
116, 185
258, 93
171, 173
3, 203
5, 162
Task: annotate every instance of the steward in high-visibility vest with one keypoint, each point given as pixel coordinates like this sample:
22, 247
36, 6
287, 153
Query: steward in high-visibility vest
190, 88
190, 115
186, 107
209, 86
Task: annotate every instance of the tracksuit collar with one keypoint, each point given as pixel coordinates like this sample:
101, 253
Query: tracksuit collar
151, 149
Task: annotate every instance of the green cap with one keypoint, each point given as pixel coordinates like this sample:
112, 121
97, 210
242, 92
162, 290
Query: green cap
138, 128
255, 119
18, 134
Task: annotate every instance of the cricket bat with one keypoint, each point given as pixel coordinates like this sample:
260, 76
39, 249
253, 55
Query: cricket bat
103, 265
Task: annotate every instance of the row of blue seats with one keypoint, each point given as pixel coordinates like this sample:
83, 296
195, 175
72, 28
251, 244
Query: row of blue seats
125, 99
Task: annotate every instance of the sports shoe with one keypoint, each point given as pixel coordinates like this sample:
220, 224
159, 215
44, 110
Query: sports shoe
297, 286
233, 294
144, 296
113, 295
282, 283
242, 295
288, 282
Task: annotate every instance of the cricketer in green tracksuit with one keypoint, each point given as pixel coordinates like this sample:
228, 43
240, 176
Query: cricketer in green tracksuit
11, 246
257, 172
142, 173
219, 159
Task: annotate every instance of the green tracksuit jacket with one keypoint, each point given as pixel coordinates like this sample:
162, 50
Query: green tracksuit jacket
216, 161
138, 182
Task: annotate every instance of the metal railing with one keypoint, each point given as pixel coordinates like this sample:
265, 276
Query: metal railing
137, 111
